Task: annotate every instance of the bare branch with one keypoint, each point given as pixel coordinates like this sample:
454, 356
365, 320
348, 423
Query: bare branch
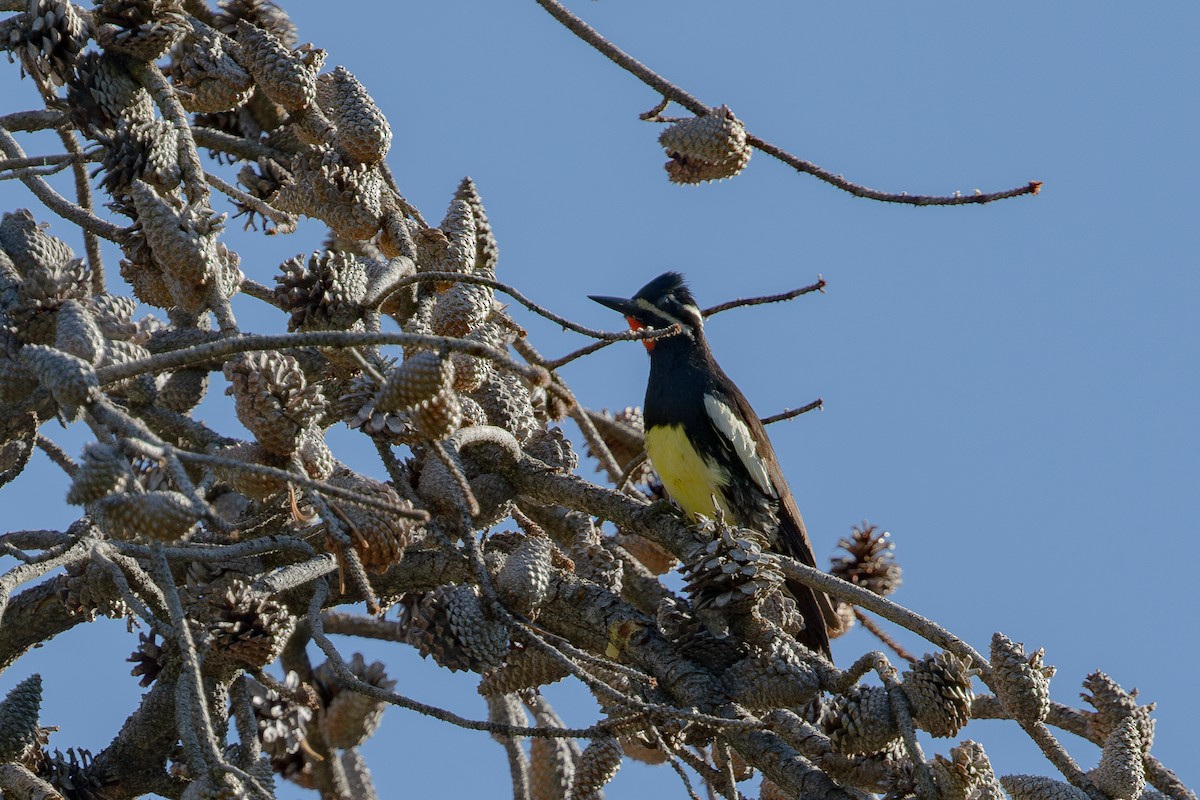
677, 95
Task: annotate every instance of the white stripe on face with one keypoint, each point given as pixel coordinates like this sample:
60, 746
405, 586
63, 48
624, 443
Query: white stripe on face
646, 305
738, 435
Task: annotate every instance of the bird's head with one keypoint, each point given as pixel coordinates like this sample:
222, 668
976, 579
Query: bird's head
661, 303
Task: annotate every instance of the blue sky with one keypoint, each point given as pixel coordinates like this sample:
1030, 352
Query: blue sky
1009, 389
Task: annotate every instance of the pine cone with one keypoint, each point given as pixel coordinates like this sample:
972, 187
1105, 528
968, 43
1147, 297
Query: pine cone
525, 668
325, 294
362, 133
247, 627
263, 14
1022, 682
524, 581
282, 724
288, 77
207, 78
350, 718
595, 768
183, 390
49, 46
253, 485
420, 379
505, 399
706, 148
967, 774
346, 197
735, 571
860, 721
1121, 773
75, 775
77, 333
182, 239
103, 470
141, 29
1038, 787
19, 719
148, 660
1113, 704
86, 588
273, 399
450, 625
357, 409
461, 309
938, 688
114, 315
487, 251
552, 447
871, 563
140, 149
30, 249
101, 92
165, 516
379, 538
450, 247
42, 274
773, 679
71, 380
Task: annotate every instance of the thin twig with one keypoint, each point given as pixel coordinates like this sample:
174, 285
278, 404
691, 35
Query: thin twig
83, 193
562, 361
259, 291
57, 163
348, 561
819, 286
883, 636
55, 201
807, 167
674, 756
515, 294
1053, 750
343, 672
795, 412
340, 623
219, 141
199, 740
893, 612
286, 222
630, 468
348, 495
57, 455
174, 359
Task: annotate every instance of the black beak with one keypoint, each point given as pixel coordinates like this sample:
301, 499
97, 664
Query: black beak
619, 304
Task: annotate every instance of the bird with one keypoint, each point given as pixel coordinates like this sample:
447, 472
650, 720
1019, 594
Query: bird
709, 447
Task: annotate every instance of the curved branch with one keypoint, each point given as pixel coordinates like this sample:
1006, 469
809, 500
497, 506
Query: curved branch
677, 95
244, 343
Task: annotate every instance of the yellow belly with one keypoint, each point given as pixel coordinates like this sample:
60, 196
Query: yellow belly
691, 481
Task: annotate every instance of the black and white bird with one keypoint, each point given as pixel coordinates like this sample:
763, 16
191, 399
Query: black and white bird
709, 447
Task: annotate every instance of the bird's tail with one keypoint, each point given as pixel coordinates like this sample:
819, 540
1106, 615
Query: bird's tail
819, 618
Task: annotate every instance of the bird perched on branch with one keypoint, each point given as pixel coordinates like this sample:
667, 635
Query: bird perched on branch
708, 445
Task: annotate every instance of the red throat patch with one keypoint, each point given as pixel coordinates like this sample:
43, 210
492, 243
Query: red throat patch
636, 325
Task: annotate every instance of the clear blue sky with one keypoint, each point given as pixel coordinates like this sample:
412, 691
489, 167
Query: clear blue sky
1010, 389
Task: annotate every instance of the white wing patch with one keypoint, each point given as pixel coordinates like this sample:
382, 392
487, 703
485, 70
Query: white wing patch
738, 434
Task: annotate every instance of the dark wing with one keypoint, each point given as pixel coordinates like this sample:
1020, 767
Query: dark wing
817, 608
